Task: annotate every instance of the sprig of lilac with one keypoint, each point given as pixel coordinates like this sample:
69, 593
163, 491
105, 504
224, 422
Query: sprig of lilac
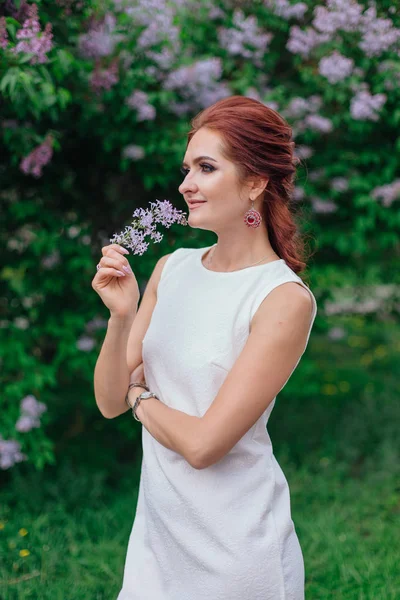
144, 224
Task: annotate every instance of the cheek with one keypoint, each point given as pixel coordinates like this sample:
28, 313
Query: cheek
216, 186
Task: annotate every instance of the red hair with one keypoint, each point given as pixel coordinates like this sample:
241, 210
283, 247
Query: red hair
259, 142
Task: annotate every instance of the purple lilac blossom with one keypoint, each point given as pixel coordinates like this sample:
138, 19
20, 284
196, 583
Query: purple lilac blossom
335, 67
387, 193
298, 193
303, 152
323, 206
157, 16
391, 70
299, 107
31, 407
3, 33
104, 79
96, 323
144, 224
38, 158
246, 32
30, 42
139, 100
197, 85
378, 35
365, 107
316, 174
215, 12
85, 343
133, 152
101, 38
338, 14
26, 423
317, 123
304, 41
10, 453
163, 59
339, 184
282, 8
51, 260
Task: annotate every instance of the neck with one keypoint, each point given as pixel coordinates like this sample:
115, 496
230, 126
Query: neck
232, 253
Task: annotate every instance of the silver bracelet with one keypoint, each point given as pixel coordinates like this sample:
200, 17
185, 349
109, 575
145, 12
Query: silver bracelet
142, 385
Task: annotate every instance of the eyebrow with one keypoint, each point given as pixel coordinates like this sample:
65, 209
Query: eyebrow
199, 158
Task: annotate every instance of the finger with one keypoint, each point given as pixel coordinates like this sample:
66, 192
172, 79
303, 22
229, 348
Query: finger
115, 247
109, 271
108, 261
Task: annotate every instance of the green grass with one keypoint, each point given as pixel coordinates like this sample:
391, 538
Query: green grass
78, 522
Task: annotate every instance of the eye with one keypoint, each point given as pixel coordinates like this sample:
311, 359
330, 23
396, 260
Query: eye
209, 168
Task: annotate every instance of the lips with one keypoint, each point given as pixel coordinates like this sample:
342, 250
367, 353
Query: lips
196, 204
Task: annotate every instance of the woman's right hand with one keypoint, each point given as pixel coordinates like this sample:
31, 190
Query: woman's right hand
116, 285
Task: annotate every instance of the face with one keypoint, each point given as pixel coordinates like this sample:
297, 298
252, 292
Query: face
212, 180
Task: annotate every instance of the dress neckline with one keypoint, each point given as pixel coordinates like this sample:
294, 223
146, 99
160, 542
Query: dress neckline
203, 251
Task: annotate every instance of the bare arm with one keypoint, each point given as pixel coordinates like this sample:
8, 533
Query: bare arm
111, 374
121, 352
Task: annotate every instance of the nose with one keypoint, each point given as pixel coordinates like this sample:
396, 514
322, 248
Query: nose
188, 185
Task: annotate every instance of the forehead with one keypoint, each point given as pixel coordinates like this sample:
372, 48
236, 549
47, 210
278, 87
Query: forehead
204, 142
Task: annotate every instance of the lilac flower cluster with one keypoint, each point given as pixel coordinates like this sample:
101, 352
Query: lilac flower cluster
338, 14
103, 78
101, 39
86, 342
197, 84
365, 106
316, 123
303, 152
3, 33
387, 193
157, 17
340, 184
335, 67
245, 39
299, 107
303, 41
139, 101
133, 152
30, 413
377, 34
10, 453
38, 158
282, 8
145, 224
391, 72
31, 42
323, 206
304, 111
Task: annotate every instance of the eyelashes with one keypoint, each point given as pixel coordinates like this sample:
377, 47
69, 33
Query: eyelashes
185, 171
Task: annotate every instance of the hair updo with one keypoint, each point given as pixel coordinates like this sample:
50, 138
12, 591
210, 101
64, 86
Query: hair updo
259, 142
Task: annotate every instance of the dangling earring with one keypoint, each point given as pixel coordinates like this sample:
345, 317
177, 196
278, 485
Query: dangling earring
252, 217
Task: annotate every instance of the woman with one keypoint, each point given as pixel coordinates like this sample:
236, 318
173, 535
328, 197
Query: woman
218, 333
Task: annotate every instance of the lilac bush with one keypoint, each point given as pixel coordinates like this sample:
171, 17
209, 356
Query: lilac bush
97, 100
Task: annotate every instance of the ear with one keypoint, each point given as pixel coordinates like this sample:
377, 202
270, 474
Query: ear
257, 186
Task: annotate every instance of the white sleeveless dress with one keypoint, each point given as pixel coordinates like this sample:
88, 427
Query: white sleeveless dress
224, 532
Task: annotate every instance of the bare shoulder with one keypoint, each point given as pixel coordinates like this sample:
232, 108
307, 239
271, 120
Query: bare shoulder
289, 301
156, 275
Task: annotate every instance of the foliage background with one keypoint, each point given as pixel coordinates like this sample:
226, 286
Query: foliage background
96, 101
